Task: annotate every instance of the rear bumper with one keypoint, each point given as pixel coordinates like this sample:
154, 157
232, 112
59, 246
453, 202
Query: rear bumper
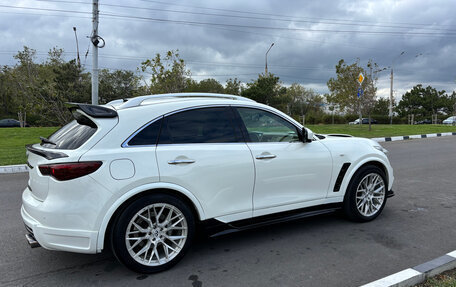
80, 241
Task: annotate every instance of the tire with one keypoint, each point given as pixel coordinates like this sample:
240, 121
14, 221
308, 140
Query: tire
363, 201
144, 246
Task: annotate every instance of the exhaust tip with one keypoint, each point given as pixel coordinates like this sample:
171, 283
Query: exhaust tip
32, 241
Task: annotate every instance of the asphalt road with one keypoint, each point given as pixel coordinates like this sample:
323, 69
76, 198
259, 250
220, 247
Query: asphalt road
417, 225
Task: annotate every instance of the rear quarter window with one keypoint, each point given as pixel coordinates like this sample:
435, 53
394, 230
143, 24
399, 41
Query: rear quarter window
148, 135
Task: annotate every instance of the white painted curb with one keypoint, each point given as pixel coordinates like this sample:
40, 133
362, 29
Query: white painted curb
412, 276
407, 277
13, 168
401, 138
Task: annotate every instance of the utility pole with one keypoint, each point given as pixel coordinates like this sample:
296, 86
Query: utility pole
94, 40
391, 98
266, 61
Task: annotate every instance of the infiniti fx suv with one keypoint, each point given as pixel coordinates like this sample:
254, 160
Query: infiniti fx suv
143, 175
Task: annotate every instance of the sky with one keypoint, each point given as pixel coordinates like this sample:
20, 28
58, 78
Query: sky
229, 39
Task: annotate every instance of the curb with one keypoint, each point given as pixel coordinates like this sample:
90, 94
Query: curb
412, 276
401, 138
13, 168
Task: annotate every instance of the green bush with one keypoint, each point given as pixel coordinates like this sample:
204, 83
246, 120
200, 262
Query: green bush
328, 119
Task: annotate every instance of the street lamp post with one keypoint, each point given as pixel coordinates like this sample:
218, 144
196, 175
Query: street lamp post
77, 47
266, 60
391, 89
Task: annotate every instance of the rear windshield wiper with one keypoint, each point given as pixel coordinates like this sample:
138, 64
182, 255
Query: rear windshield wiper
45, 140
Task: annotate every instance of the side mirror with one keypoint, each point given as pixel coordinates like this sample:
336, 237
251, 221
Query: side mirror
307, 135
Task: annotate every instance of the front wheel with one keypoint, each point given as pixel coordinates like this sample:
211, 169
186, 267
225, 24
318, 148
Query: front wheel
153, 233
365, 197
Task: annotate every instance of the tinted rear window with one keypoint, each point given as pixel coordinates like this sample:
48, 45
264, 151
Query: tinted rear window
206, 125
71, 136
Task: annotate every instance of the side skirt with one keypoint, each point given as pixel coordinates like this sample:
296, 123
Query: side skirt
214, 227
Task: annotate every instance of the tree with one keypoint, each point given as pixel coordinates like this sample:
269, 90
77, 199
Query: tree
344, 88
303, 101
424, 102
233, 87
205, 86
118, 84
25, 75
69, 84
450, 104
267, 90
381, 107
39, 90
6, 95
169, 75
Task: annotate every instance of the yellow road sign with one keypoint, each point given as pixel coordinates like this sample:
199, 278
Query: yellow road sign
360, 78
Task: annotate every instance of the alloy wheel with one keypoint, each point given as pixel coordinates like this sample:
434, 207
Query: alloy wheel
156, 234
370, 194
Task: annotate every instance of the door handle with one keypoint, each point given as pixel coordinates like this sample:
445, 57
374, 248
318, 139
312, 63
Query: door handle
181, 161
265, 156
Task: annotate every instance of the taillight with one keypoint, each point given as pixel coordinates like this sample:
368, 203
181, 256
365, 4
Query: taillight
71, 170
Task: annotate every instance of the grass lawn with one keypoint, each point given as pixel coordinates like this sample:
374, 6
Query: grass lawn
381, 130
13, 141
446, 279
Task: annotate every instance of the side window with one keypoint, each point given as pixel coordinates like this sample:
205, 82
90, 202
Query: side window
264, 126
147, 136
205, 125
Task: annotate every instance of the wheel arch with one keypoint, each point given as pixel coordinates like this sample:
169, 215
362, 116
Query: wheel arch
121, 203
370, 161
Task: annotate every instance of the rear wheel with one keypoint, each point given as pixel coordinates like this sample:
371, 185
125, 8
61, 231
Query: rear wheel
153, 233
366, 194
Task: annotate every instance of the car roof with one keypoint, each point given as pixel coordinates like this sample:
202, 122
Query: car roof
137, 109
172, 97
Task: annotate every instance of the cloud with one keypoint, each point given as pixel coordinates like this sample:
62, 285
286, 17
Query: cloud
425, 30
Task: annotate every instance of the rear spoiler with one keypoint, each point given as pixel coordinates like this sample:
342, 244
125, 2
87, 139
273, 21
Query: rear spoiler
45, 153
93, 110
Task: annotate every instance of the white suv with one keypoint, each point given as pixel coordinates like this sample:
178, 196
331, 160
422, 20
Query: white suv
141, 175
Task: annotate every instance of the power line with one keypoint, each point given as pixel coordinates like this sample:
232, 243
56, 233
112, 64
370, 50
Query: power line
225, 75
195, 63
184, 22
45, 9
250, 32
280, 15
357, 24
42, 14
396, 33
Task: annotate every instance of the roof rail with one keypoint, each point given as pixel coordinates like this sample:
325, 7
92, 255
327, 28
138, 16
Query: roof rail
133, 102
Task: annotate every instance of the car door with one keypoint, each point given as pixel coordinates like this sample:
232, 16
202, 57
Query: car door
287, 170
203, 151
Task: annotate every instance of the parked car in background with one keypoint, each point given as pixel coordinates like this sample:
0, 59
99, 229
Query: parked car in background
11, 123
423, 122
365, 121
450, 121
